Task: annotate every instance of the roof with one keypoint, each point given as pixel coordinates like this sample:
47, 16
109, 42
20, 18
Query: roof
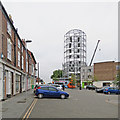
32, 56
105, 62
6, 15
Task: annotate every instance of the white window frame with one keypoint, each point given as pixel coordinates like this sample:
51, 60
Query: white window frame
18, 59
22, 49
32, 69
26, 62
9, 49
22, 62
18, 43
9, 30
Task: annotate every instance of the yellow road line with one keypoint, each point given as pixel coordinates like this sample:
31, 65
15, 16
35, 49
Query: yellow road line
29, 109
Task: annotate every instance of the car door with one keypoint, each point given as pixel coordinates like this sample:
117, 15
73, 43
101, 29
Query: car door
53, 92
112, 90
45, 91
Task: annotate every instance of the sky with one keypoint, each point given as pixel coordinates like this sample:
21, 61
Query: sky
46, 23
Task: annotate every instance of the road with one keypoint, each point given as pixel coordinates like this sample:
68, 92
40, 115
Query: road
80, 104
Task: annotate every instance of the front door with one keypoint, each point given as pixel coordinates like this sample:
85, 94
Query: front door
12, 84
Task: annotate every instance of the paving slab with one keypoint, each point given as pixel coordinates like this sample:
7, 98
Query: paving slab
15, 106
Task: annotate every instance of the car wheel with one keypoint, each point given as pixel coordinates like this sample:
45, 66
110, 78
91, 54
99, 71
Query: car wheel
40, 96
62, 96
109, 93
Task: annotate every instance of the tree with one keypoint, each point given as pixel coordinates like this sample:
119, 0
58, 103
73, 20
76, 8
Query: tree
94, 79
73, 79
57, 74
117, 80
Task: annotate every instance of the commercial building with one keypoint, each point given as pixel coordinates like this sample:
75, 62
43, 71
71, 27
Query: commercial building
74, 53
87, 75
17, 64
106, 73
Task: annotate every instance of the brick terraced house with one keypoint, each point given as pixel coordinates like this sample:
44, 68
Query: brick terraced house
17, 64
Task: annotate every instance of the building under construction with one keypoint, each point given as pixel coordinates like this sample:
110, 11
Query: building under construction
74, 53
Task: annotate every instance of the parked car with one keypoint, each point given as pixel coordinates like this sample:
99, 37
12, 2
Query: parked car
37, 87
57, 86
91, 87
100, 90
50, 91
110, 90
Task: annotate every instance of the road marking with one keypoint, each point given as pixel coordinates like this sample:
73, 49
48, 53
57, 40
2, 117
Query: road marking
29, 109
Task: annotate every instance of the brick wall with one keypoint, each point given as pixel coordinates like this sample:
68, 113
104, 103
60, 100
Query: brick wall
105, 71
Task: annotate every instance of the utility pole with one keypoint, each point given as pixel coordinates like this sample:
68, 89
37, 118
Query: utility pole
38, 72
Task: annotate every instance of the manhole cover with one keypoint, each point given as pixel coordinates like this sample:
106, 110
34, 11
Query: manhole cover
4, 109
23, 101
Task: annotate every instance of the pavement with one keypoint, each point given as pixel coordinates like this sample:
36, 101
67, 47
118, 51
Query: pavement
15, 106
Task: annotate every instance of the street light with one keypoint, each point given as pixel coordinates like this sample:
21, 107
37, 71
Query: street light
27, 41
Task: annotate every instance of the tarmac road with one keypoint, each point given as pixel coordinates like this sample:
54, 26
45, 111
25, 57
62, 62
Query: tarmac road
80, 104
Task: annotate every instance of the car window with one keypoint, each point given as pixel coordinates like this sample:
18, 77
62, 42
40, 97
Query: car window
44, 88
111, 88
52, 89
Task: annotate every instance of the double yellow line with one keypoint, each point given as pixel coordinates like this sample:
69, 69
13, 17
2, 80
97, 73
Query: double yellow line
27, 114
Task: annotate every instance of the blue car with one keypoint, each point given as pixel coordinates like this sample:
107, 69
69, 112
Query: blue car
50, 91
110, 90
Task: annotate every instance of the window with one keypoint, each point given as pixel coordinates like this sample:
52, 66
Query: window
23, 82
26, 66
22, 49
89, 76
69, 45
22, 62
17, 83
9, 49
70, 39
18, 58
83, 76
44, 88
52, 89
18, 43
117, 67
70, 51
32, 69
9, 28
89, 70
26, 63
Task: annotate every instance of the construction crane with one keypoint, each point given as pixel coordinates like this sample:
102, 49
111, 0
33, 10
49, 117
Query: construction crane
94, 52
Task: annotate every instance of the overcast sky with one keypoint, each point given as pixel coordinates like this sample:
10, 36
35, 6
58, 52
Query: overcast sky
46, 23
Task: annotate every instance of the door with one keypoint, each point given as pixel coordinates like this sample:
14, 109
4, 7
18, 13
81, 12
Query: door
12, 90
53, 92
45, 91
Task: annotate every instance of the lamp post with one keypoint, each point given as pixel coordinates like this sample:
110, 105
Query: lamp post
27, 41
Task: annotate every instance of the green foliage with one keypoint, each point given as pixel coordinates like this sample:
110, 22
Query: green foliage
94, 79
57, 74
73, 78
117, 80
